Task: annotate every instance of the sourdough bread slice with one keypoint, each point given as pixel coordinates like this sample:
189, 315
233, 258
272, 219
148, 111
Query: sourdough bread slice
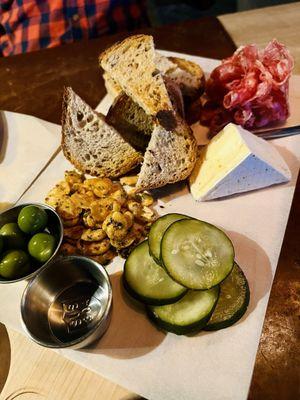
131, 63
128, 118
163, 64
189, 76
90, 144
113, 89
170, 156
131, 121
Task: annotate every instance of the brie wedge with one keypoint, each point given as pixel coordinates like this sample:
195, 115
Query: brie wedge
235, 161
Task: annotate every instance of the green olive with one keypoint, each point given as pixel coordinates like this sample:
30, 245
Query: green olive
12, 236
32, 219
14, 264
41, 246
1, 244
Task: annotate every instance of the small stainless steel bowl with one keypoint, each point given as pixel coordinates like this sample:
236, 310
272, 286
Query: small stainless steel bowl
54, 226
68, 303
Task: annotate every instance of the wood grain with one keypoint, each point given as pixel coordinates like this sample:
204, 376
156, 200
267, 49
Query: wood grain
5, 355
263, 24
38, 374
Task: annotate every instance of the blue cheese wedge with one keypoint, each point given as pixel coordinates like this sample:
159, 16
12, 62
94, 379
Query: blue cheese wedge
236, 161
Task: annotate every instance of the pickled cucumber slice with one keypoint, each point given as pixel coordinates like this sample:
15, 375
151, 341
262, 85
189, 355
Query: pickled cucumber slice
147, 281
196, 254
157, 231
188, 314
233, 301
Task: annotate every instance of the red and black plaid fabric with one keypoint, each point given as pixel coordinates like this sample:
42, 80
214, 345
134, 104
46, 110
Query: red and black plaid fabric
27, 25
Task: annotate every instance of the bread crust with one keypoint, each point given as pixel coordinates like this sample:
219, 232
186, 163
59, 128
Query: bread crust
135, 56
130, 159
189, 76
170, 157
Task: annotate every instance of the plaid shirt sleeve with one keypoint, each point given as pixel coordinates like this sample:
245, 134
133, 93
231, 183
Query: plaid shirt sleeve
28, 25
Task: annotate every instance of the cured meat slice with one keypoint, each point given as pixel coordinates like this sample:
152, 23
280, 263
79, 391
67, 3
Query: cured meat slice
249, 88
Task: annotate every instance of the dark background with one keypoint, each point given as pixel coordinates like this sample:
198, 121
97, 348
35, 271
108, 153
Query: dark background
172, 11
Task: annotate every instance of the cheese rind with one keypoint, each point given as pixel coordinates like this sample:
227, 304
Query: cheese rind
236, 161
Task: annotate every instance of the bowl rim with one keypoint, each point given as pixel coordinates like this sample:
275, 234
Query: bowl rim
72, 343
34, 273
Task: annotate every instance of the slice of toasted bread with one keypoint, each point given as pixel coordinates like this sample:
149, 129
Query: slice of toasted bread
163, 64
131, 63
113, 89
170, 156
90, 144
175, 95
128, 118
189, 76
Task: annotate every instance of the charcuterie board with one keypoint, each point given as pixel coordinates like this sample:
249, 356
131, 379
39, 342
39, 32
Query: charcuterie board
209, 365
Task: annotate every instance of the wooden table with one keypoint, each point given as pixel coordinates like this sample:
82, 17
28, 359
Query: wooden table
32, 84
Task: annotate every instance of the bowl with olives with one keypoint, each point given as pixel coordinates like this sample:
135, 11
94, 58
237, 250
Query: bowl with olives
30, 237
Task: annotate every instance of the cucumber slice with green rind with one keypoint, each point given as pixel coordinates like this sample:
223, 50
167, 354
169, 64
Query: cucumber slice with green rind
233, 301
157, 231
196, 254
189, 314
147, 281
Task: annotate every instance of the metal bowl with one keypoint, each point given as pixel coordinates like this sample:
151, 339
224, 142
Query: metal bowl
54, 226
68, 304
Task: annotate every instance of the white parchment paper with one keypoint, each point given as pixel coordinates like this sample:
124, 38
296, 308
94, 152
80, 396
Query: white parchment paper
26, 145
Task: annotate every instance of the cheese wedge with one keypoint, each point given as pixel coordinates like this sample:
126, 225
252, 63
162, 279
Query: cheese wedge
235, 161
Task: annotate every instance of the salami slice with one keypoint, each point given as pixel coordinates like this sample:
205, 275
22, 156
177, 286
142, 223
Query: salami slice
249, 88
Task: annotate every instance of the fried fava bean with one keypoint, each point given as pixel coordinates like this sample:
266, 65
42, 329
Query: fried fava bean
93, 235
135, 207
123, 242
89, 221
83, 200
135, 235
67, 209
71, 222
93, 248
73, 232
62, 187
100, 186
130, 218
116, 225
73, 177
101, 208
53, 199
79, 188
129, 180
146, 199
105, 258
147, 215
120, 196
58, 194
67, 249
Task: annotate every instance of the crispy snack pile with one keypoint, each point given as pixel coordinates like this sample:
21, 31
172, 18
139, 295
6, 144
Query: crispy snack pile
101, 219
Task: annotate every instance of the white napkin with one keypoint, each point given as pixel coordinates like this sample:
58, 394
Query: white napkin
26, 146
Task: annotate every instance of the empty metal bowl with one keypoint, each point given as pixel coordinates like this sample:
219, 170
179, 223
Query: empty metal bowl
54, 226
68, 303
